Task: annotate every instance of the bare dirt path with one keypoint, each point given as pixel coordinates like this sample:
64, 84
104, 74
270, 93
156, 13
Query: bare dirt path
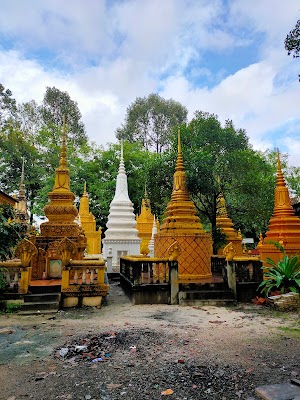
123, 351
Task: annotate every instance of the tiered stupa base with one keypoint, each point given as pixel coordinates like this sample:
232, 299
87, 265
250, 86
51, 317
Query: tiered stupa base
194, 259
116, 248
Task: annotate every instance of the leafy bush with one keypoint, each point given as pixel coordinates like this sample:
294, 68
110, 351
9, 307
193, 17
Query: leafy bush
283, 275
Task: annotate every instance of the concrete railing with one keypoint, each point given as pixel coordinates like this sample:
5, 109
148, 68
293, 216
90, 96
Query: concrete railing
150, 277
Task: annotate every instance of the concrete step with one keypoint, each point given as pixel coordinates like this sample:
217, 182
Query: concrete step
44, 289
37, 312
203, 286
42, 297
208, 302
205, 294
39, 306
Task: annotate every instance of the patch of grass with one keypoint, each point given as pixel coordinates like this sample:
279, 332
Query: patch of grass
13, 307
291, 331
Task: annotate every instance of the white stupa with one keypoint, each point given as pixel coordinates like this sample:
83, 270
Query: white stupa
121, 236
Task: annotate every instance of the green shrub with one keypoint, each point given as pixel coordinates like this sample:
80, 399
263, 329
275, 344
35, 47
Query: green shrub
283, 276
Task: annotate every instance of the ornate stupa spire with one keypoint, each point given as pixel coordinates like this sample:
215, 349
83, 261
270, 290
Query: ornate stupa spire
84, 208
145, 222
88, 223
21, 207
22, 184
61, 210
182, 227
225, 223
153, 233
181, 212
121, 236
284, 225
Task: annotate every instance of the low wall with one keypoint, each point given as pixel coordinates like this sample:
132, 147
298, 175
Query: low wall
146, 293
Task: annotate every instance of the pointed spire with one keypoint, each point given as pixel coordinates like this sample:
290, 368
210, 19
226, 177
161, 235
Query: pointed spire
282, 203
62, 173
179, 163
221, 203
22, 184
63, 158
84, 189
181, 211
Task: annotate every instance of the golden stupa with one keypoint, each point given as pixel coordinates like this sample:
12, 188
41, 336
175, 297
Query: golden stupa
88, 223
284, 225
225, 223
61, 214
183, 227
144, 223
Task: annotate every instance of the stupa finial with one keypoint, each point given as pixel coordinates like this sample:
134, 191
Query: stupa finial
84, 189
22, 184
179, 163
63, 157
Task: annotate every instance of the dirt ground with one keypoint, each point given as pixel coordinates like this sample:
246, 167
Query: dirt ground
142, 352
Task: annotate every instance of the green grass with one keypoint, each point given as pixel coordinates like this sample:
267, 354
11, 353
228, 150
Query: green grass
291, 331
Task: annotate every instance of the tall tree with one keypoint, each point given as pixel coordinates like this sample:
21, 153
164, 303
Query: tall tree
292, 41
7, 106
58, 105
212, 151
150, 120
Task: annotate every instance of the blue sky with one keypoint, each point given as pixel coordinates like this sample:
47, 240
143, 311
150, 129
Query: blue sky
224, 57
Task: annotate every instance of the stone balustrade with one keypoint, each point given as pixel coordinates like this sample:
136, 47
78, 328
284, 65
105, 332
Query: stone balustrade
16, 275
149, 280
83, 283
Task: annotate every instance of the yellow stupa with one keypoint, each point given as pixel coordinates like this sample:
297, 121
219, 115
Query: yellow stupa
144, 224
225, 223
61, 211
183, 226
61, 214
88, 223
284, 225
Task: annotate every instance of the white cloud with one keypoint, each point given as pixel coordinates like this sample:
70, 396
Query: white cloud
117, 51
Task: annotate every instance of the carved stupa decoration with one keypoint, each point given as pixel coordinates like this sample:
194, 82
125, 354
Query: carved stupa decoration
145, 223
225, 224
184, 226
88, 223
284, 225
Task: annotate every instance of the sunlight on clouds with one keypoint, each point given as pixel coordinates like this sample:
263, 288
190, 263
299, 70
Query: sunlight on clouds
110, 52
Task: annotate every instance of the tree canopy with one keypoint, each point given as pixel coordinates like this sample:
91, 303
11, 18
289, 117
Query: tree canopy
292, 41
151, 120
218, 159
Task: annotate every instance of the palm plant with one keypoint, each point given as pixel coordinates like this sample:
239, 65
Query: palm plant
283, 275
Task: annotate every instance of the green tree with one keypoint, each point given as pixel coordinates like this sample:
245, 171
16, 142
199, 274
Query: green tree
150, 120
10, 232
292, 41
218, 159
58, 105
34, 133
7, 106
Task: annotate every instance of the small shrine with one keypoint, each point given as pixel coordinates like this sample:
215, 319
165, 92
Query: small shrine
144, 224
284, 225
182, 227
88, 223
121, 236
225, 223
